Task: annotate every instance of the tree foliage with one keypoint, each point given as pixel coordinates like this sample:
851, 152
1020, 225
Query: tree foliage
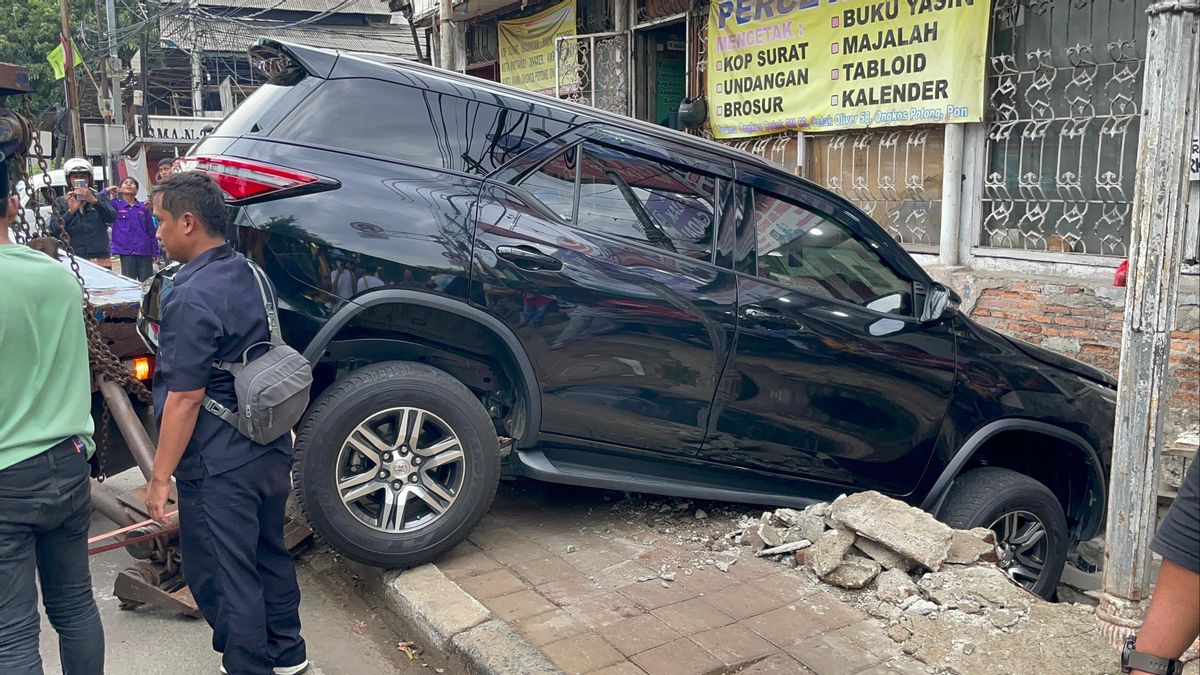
29, 30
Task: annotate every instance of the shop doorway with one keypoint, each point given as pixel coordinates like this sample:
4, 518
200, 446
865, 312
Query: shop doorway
660, 64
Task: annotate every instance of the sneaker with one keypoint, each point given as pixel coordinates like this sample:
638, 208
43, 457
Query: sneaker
281, 670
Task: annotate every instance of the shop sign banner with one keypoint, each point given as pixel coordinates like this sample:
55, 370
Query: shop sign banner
527, 47
821, 65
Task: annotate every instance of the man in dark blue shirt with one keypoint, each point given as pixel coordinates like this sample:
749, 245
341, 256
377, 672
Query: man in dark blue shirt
232, 491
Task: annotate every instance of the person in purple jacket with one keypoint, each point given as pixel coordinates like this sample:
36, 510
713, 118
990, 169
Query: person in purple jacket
133, 231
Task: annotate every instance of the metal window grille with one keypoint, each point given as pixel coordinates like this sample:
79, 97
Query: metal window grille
594, 16
1064, 81
894, 176
483, 42
594, 69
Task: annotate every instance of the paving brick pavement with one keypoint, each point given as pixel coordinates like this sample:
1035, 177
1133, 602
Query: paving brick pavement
600, 587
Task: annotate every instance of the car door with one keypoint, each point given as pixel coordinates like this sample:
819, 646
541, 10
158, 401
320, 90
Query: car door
599, 258
833, 378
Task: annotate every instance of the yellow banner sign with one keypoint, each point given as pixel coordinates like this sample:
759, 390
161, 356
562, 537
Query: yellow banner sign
819, 65
527, 47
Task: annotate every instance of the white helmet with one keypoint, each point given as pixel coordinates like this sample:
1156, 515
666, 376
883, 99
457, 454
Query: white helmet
77, 165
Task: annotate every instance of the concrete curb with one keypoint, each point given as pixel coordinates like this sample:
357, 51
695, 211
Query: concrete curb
448, 618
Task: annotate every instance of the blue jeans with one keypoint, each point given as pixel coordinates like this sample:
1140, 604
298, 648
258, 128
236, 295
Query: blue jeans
45, 511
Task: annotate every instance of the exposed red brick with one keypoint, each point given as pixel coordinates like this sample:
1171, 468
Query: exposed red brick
1069, 321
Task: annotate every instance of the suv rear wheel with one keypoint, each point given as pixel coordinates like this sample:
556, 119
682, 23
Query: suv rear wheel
1031, 529
397, 462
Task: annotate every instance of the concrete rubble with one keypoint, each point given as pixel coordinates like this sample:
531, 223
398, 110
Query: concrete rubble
953, 616
906, 530
936, 591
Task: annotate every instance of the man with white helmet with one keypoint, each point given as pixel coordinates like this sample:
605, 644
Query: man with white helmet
84, 216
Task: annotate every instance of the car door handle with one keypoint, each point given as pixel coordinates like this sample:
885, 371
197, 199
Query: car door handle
770, 318
529, 258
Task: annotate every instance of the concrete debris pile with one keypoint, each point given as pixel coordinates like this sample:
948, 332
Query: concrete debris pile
937, 590
864, 537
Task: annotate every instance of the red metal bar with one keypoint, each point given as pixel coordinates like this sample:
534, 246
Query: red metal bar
133, 540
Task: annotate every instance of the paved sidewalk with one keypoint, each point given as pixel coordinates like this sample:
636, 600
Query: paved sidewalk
603, 586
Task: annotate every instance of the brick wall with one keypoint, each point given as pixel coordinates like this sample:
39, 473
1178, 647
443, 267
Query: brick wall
1083, 319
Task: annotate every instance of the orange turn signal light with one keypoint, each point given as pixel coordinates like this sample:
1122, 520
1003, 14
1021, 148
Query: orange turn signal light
142, 367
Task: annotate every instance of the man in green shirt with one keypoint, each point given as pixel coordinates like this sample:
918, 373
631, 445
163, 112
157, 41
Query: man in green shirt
45, 440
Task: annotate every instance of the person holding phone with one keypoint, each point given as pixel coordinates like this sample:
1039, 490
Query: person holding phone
133, 232
83, 215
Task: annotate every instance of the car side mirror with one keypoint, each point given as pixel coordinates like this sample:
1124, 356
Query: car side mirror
940, 302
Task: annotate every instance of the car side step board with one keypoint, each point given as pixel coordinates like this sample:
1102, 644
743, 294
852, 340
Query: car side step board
535, 464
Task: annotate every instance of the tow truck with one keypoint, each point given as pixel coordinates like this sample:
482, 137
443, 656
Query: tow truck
122, 368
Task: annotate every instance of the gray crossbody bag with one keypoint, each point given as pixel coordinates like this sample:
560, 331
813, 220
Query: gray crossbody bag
272, 390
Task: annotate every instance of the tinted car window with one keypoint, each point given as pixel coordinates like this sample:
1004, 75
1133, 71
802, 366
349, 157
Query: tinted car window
553, 183
263, 108
815, 254
415, 125
635, 198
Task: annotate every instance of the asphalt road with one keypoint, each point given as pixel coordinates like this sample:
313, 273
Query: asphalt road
348, 631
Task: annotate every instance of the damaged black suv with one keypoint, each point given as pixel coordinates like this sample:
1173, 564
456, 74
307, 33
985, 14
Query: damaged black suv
479, 273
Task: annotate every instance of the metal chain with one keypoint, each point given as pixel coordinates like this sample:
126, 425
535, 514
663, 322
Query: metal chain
104, 362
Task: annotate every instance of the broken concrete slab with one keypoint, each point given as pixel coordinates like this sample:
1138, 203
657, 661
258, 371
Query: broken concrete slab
920, 606
895, 586
806, 524
883, 555
790, 547
904, 529
761, 535
988, 586
787, 517
827, 551
855, 572
971, 546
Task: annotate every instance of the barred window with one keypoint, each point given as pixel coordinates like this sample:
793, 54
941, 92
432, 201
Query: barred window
893, 175
1064, 90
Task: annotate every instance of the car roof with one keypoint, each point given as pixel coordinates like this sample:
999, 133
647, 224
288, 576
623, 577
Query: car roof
487, 91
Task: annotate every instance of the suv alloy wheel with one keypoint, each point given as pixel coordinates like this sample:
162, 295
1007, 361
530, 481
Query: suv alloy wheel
1031, 529
397, 462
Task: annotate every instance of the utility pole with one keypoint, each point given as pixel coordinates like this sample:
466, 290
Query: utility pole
114, 80
76, 146
451, 39
1170, 96
197, 76
143, 82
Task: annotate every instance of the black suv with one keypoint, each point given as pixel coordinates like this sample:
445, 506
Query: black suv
478, 272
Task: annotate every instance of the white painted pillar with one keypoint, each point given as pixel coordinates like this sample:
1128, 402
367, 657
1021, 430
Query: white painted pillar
970, 222
1170, 96
952, 188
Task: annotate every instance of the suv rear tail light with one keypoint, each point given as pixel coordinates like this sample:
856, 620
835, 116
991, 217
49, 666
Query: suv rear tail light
245, 180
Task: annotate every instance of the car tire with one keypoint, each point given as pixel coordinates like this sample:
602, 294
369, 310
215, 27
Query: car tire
1004, 500
367, 409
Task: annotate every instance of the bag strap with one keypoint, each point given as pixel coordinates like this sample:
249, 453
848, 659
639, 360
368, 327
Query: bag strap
226, 415
269, 307
268, 303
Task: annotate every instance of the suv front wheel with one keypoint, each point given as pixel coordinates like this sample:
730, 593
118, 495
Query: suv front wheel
1031, 529
397, 463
